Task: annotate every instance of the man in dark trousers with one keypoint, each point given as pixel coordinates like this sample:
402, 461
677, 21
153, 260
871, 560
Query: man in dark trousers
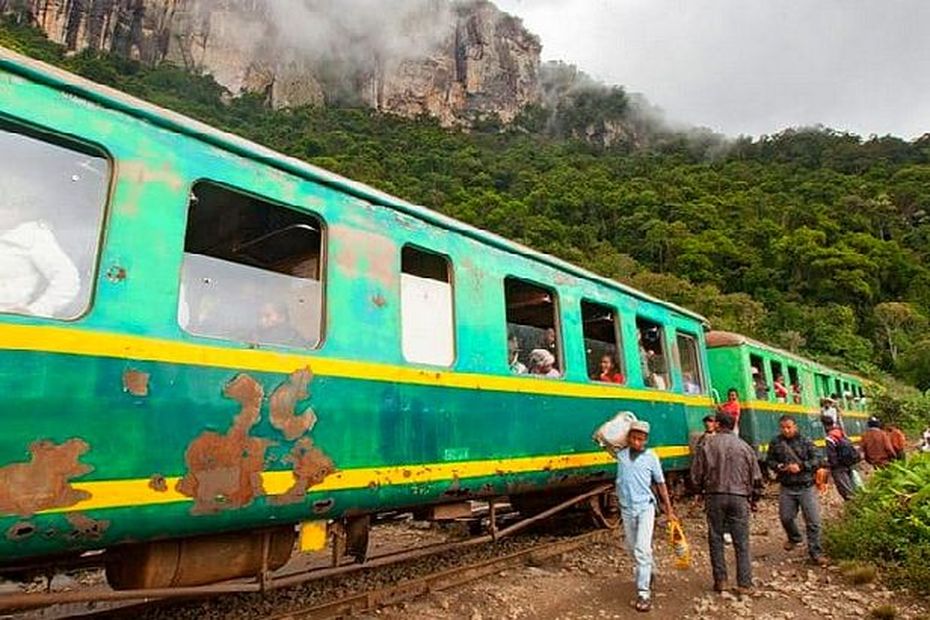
726, 470
794, 459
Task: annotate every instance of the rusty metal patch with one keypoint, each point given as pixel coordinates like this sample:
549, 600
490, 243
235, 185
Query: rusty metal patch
86, 528
284, 401
224, 470
136, 382
45, 481
158, 483
21, 530
311, 466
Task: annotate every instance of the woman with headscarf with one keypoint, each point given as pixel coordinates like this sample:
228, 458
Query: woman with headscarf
542, 362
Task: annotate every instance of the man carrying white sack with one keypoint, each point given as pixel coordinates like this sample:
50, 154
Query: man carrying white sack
638, 469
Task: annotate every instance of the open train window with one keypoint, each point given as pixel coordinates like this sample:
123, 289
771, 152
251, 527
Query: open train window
427, 329
251, 271
794, 385
760, 386
52, 198
779, 387
690, 362
533, 336
652, 355
600, 327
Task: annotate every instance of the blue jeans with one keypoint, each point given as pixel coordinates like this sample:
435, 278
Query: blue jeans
638, 525
805, 498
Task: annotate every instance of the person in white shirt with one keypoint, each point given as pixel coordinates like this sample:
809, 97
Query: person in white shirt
36, 276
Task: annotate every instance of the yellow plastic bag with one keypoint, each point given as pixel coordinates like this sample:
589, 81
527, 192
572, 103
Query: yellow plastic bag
679, 542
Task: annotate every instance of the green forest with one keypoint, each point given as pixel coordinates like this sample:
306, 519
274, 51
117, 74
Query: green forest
814, 240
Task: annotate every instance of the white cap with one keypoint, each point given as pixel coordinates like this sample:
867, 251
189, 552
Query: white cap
640, 425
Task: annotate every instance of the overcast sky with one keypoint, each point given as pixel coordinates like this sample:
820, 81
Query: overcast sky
752, 66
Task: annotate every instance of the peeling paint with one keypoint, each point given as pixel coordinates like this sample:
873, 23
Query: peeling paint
116, 274
323, 505
224, 471
311, 466
284, 405
144, 174
158, 483
21, 531
86, 528
136, 382
44, 482
361, 252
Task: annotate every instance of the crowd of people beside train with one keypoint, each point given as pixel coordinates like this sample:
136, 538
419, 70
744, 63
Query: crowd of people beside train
729, 478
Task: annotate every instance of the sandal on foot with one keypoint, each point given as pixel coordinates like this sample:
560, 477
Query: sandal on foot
643, 604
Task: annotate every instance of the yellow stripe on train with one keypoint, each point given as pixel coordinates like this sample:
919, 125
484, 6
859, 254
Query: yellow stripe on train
139, 492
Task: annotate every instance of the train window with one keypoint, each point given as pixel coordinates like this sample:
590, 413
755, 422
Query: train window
252, 270
533, 337
52, 198
759, 385
794, 380
689, 361
601, 342
823, 385
779, 388
427, 330
652, 357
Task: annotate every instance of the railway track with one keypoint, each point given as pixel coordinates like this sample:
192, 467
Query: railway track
263, 593
440, 580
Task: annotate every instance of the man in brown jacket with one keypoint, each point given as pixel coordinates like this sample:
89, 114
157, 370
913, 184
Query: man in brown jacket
876, 445
726, 470
898, 440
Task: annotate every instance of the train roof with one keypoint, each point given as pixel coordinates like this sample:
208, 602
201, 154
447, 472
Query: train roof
118, 100
719, 339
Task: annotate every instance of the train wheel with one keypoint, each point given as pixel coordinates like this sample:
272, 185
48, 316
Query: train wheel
605, 510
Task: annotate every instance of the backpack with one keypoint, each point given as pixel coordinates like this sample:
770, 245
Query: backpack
846, 453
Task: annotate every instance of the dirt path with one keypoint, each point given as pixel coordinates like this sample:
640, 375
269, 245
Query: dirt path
596, 583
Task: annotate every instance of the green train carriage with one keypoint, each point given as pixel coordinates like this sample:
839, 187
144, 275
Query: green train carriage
736, 359
217, 339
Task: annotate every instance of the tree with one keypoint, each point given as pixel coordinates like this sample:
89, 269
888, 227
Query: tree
915, 365
898, 324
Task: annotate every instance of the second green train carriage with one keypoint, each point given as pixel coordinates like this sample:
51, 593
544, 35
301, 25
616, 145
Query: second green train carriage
771, 383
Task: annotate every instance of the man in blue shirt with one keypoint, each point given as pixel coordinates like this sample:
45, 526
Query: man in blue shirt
638, 469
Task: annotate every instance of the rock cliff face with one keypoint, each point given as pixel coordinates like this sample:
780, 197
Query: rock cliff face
456, 62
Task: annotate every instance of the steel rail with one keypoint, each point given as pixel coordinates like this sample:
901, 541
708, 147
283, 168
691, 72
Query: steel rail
264, 583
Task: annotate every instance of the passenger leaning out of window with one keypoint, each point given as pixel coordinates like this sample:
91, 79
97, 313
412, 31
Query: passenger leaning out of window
541, 362
781, 392
608, 371
796, 393
731, 408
